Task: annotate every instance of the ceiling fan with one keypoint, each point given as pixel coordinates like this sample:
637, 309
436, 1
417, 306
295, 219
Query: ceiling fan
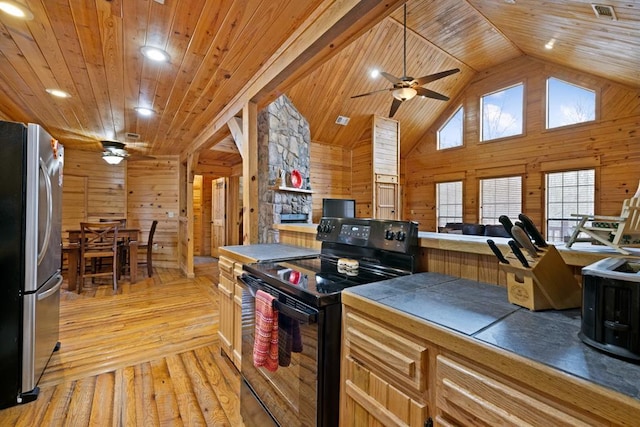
405, 87
114, 152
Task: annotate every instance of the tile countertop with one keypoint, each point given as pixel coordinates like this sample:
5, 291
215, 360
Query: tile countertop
482, 311
267, 252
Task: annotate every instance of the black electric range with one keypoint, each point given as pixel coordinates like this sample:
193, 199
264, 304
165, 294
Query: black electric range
306, 293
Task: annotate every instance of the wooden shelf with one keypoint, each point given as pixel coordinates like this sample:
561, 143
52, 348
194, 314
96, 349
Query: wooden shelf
291, 189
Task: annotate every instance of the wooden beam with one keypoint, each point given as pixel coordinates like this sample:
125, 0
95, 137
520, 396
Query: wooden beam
327, 31
250, 174
235, 126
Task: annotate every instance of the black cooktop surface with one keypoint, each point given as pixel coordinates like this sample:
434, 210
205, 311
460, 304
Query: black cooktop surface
318, 281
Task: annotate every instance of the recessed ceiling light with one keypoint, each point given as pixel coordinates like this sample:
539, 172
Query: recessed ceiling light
143, 111
155, 54
16, 9
375, 73
58, 93
550, 44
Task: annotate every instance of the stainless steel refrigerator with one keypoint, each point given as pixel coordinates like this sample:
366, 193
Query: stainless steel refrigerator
31, 165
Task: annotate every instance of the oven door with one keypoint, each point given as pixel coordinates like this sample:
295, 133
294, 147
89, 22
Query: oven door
290, 393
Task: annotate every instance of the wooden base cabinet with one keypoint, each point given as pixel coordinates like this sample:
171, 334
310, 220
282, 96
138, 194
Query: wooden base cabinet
384, 375
468, 395
230, 326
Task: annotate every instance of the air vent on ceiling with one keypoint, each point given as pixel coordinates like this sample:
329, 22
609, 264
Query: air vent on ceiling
342, 120
604, 11
132, 135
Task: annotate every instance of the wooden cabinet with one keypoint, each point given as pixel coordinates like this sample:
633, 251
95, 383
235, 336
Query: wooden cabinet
384, 375
376, 170
401, 371
230, 326
466, 394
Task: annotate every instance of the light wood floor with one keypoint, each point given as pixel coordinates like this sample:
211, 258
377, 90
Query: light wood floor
147, 355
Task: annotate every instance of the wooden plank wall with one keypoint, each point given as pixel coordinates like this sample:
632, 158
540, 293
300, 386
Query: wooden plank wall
153, 193
610, 144
140, 191
91, 189
362, 179
197, 214
330, 174
206, 216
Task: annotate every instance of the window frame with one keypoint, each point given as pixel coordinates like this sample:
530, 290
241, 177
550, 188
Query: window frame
447, 122
582, 85
481, 200
437, 200
545, 180
523, 132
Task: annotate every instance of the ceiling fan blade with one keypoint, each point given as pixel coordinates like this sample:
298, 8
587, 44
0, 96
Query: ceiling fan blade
393, 79
431, 77
371, 93
394, 106
430, 94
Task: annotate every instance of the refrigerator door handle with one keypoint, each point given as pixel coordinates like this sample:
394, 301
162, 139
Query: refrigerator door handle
51, 291
47, 233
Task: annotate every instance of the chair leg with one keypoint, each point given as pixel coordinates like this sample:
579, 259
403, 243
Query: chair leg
149, 265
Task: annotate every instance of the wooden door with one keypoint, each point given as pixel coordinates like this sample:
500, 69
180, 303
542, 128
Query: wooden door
218, 215
386, 199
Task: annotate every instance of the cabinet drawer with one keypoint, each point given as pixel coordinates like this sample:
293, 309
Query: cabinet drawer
225, 265
226, 286
466, 396
402, 359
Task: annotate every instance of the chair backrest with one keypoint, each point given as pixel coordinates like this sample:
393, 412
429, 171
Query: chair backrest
99, 236
152, 231
631, 211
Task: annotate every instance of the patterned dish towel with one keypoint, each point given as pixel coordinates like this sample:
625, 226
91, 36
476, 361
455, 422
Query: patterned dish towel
265, 346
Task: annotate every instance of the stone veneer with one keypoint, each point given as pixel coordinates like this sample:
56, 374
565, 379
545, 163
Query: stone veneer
283, 144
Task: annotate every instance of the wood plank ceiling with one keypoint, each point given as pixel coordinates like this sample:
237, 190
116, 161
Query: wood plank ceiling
91, 49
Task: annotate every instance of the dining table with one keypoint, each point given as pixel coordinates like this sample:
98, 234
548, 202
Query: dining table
130, 237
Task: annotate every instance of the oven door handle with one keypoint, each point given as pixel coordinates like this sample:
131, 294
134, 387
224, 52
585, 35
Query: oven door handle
285, 309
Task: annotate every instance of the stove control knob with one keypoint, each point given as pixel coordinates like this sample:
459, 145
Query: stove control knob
389, 235
320, 228
401, 235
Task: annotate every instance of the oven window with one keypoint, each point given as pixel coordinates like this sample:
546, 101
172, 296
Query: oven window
290, 392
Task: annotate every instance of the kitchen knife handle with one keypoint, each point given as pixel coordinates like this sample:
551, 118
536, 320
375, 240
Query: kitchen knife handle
507, 224
521, 236
518, 253
497, 251
533, 231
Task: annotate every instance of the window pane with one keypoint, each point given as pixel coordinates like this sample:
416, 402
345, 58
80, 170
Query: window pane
568, 193
502, 113
450, 135
448, 202
500, 196
568, 104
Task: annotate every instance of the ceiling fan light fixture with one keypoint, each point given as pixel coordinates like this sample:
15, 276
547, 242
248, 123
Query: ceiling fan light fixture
155, 53
112, 158
16, 9
404, 93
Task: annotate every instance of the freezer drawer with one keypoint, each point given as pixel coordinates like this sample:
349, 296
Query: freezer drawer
41, 331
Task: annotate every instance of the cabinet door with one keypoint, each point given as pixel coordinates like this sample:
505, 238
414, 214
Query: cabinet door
238, 292
225, 331
386, 200
465, 395
369, 400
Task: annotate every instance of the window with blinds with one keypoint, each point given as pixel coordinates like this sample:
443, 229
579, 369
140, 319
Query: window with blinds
500, 196
448, 202
567, 193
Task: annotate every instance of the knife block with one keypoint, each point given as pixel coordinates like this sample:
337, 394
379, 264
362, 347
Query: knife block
548, 283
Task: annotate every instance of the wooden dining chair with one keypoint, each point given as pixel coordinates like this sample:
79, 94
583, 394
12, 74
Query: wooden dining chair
145, 251
98, 241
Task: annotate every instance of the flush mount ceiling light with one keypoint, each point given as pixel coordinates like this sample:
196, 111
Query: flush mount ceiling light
58, 93
143, 111
404, 93
112, 158
16, 9
155, 54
